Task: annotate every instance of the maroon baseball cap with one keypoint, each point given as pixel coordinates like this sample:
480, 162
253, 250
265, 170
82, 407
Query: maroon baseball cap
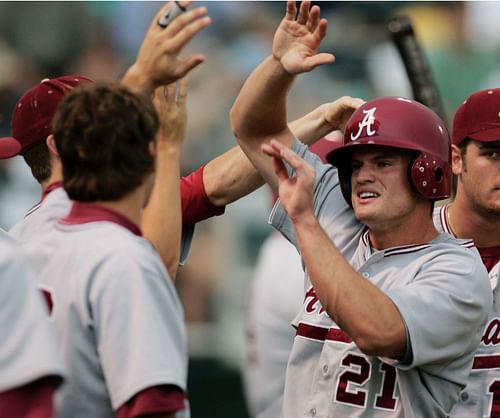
478, 117
32, 116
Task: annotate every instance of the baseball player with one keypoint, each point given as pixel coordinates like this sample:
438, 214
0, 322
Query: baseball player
30, 366
277, 295
475, 214
119, 320
393, 310
31, 129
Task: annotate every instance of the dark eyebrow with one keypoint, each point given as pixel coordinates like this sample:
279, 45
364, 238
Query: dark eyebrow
489, 145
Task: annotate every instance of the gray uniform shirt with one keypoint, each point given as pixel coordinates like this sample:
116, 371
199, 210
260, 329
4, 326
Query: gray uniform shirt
41, 218
28, 343
481, 396
119, 320
442, 291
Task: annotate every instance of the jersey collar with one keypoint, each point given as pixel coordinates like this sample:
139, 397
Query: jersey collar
51, 187
82, 213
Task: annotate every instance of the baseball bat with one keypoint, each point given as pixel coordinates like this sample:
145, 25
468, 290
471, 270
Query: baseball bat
417, 67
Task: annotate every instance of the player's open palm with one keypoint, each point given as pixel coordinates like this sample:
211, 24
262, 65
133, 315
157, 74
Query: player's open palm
296, 193
158, 62
298, 38
170, 104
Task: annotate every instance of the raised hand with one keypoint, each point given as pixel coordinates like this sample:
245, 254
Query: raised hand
296, 193
337, 113
298, 38
170, 104
158, 62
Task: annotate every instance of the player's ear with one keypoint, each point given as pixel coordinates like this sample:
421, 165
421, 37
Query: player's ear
456, 160
51, 145
152, 148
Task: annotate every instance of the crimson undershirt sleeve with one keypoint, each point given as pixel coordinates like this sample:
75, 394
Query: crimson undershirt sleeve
165, 399
195, 204
33, 400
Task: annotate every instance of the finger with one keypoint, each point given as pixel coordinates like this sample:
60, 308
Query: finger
269, 150
184, 20
291, 10
185, 4
162, 12
320, 32
303, 12
292, 159
280, 169
187, 33
183, 91
170, 93
319, 59
314, 17
159, 99
186, 66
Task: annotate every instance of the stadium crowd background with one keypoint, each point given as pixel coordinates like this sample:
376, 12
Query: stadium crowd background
100, 39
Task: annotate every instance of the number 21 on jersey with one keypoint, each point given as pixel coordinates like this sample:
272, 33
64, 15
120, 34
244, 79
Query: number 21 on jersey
358, 370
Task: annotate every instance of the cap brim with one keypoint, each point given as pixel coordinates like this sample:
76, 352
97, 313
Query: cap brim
9, 147
487, 135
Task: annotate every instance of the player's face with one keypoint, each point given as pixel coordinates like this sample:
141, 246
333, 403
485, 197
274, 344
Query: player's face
478, 173
381, 194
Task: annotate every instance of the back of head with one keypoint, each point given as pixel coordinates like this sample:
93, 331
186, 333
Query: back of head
32, 122
404, 124
103, 134
478, 118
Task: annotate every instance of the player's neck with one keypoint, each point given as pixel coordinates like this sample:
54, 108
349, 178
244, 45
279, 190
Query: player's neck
55, 177
413, 231
129, 206
465, 222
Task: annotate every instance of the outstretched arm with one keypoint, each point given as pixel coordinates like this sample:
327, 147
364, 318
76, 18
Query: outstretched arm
161, 219
231, 176
362, 310
259, 112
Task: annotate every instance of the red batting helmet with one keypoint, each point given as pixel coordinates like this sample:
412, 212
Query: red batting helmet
399, 123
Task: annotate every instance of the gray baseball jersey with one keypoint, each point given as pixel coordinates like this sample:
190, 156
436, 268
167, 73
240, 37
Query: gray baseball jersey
28, 348
56, 204
481, 397
119, 320
440, 288
277, 294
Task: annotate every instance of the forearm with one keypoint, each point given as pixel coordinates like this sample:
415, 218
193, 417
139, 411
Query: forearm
229, 177
311, 127
161, 219
260, 108
361, 309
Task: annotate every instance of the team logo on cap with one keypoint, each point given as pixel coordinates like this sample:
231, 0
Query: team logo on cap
367, 123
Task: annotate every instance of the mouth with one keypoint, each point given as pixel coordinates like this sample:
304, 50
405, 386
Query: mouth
368, 195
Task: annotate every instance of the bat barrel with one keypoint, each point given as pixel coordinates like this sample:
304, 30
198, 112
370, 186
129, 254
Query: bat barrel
417, 67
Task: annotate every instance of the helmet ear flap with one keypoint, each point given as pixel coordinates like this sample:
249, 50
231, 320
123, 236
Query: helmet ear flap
431, 176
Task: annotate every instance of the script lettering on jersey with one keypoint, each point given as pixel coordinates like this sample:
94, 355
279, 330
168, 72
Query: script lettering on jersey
48, 296
491, 334
367, 123
311, 302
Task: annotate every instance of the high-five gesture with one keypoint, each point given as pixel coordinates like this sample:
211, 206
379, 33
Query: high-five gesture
298, 38
158, 62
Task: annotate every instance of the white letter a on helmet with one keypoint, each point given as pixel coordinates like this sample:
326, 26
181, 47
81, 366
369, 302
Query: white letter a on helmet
367, 122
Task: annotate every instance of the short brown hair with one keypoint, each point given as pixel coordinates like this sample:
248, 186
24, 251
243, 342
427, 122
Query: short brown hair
103, 134
38, 160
